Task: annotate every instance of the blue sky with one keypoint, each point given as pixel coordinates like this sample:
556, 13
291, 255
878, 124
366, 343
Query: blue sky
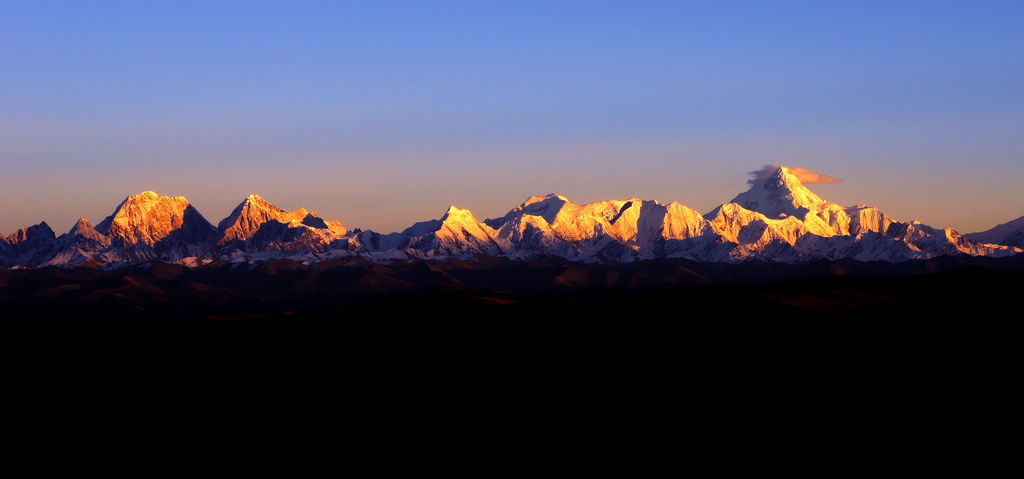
380, 114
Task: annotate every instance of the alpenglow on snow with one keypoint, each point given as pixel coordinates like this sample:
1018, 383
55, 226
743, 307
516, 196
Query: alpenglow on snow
778, 219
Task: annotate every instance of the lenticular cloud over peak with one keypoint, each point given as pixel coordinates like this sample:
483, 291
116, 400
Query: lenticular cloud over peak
804, 175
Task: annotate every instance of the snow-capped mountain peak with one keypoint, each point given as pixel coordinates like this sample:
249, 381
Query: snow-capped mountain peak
258, 202
457, 233
28, 246
1010, 233
778, 194
777, 219
550, 207
148, 218
254, 211
454, 212
82, 223
257, 225
32, 234
85, 229
540, 198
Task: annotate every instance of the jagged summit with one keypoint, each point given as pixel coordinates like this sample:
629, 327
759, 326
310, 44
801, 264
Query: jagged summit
254, 212
250, 214
28, 246
260, 202
548, 206
81, 245
454, 213
453, 216
151, 197
32, 234
458, 232
85, 229
779, 193
778, 220
148, 218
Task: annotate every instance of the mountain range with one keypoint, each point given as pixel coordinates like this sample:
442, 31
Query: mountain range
777, 220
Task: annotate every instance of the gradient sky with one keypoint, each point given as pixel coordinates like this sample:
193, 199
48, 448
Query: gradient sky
380, 113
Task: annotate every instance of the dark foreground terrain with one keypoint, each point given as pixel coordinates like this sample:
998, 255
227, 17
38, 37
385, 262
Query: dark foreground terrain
644, 307
482, 367
663, 293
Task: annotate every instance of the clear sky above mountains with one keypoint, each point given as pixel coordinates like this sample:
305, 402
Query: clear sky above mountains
380, 114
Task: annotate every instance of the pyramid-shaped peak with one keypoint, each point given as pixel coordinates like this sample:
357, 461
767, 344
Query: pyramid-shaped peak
149, 217
85, 229
259, 202
779, 175
454, 218
254, 198
82, 224
794, 175
778, 191
254, 211
784, 171
454, 212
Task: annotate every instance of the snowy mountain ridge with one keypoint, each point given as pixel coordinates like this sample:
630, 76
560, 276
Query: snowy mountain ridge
777, 219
